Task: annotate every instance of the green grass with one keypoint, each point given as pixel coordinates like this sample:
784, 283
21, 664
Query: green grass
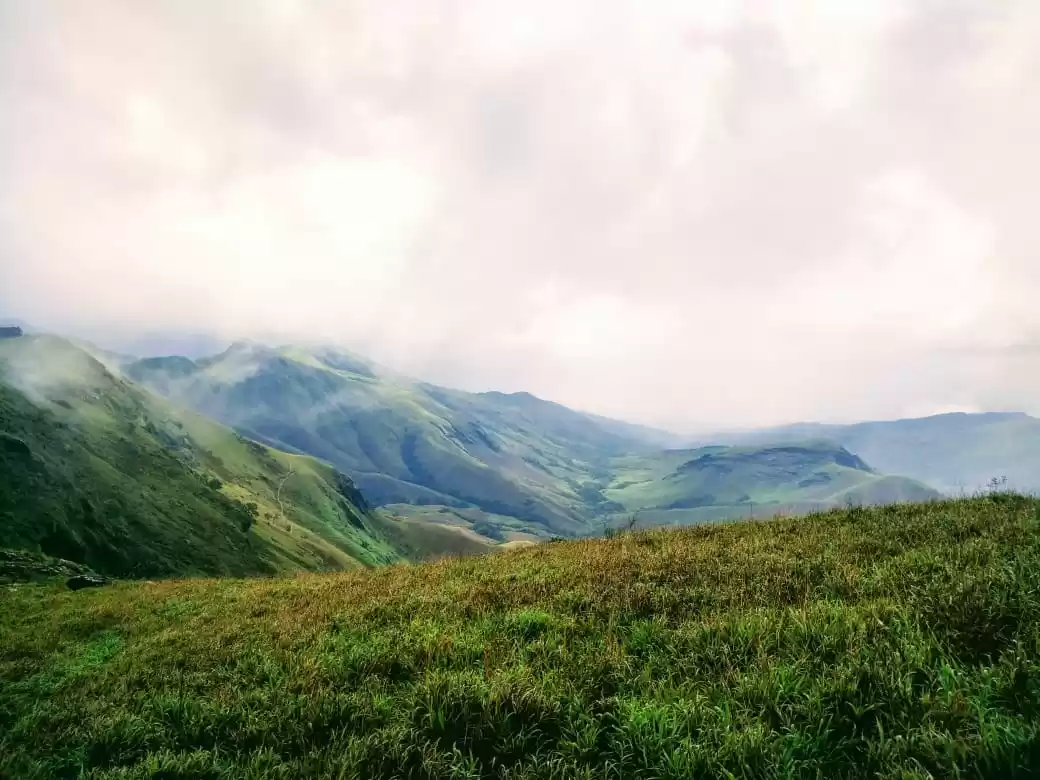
428, 533
470, 525
901, 641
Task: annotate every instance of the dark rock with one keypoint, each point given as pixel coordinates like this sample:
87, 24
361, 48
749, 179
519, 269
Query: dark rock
11, 332
81, 581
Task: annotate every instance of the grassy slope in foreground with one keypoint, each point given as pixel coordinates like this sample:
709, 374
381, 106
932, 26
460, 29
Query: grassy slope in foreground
886, 642
97, 470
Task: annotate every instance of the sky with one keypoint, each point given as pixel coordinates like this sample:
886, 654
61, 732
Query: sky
692, 215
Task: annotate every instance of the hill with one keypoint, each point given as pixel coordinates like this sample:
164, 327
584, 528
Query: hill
724, 482
509, 466
894, 642
955, 453
98, 471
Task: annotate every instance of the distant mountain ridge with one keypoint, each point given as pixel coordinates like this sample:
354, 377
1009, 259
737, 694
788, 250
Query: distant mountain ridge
678, 486
954, 452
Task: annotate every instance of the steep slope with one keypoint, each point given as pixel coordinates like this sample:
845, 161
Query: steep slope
97, 470
718, 482
513, 456
953, 453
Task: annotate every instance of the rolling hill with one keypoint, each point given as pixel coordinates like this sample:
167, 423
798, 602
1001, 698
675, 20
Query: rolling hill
97, 470
955, 453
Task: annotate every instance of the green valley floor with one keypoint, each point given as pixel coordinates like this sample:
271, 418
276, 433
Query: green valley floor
901, 641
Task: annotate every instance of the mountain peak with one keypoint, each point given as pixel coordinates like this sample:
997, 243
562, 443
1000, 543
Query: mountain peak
519, 397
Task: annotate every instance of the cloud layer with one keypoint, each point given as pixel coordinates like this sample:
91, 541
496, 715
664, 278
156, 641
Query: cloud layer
688, 214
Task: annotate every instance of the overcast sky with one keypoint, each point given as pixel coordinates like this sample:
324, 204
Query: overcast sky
686, 214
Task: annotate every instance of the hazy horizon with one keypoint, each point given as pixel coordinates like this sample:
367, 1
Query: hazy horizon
737, 214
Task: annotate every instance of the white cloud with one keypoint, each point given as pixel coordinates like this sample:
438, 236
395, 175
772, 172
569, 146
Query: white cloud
834, 46
684, 213
916, 270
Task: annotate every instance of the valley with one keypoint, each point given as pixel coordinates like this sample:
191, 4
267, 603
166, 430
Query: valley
519, 390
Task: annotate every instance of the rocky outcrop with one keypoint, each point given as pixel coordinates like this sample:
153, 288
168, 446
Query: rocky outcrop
27, 566
81, 581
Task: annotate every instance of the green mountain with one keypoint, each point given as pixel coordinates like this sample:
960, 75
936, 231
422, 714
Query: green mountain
954, 453
405, 442
719, 482
97, 470
508, 466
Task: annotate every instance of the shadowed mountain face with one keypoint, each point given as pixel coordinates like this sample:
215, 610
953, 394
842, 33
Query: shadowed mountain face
951, 452
530, 465
98, 470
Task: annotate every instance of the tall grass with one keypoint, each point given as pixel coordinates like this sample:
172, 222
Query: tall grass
895, 642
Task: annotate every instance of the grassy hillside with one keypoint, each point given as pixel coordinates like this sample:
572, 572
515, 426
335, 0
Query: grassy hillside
955, 453
894, 642
720, 482
96, 470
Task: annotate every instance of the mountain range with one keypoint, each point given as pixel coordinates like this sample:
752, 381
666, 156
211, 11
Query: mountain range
531, 466
261, 459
